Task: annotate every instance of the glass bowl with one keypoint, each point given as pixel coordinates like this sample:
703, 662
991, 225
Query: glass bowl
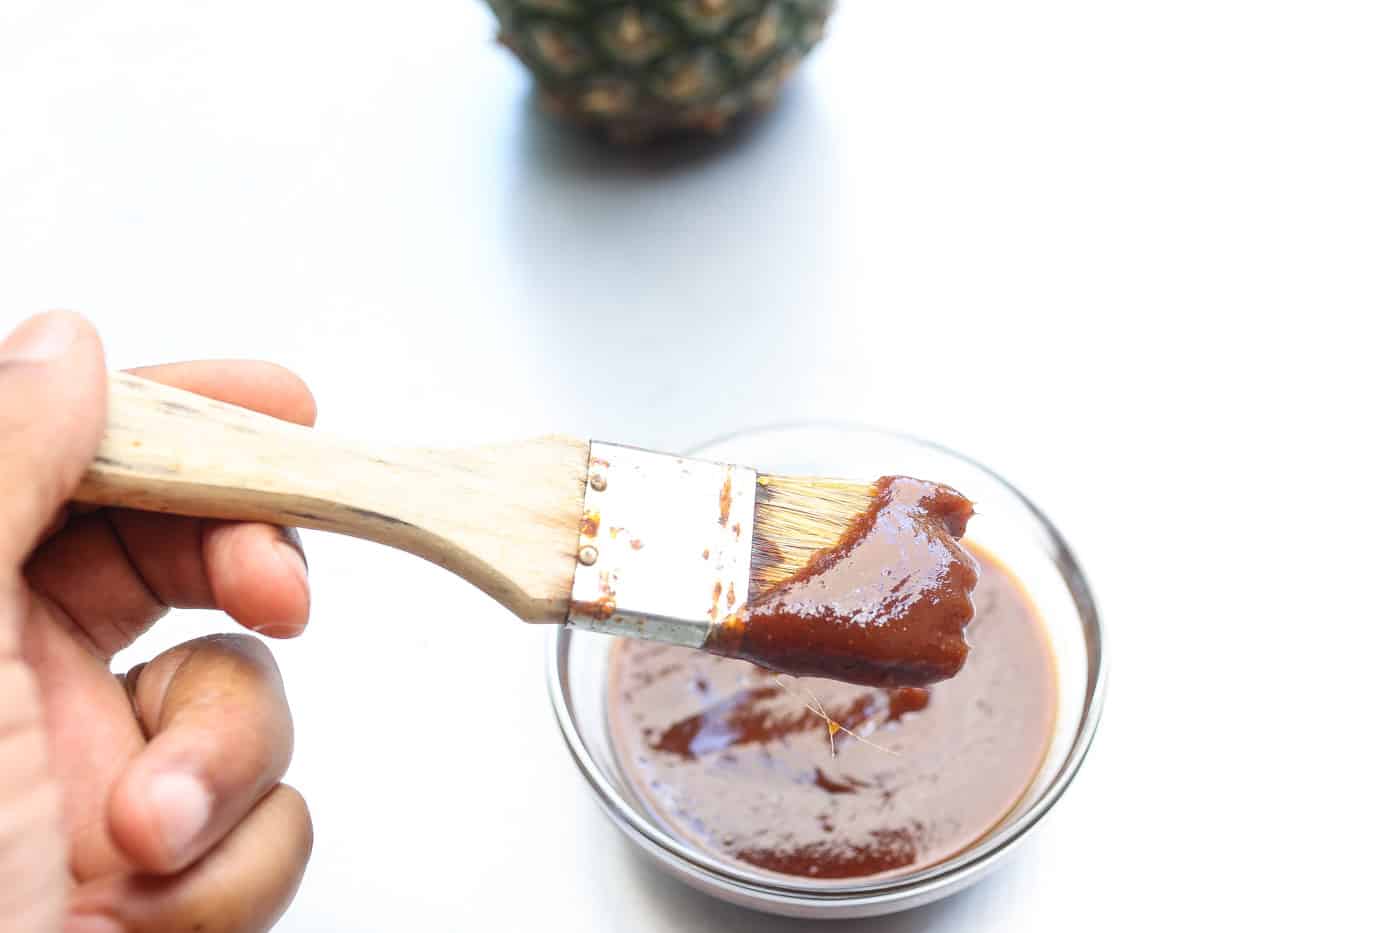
1008, 525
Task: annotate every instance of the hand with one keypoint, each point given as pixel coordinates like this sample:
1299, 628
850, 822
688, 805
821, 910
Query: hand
150, 801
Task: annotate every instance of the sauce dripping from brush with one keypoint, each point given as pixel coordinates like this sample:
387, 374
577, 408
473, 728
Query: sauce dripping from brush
885, 607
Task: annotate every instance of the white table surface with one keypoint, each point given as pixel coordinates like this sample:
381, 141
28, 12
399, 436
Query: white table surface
1143, 258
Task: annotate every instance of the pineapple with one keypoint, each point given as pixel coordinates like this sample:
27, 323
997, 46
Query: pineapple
648, 67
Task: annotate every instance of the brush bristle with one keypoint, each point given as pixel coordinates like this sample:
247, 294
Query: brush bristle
796, 517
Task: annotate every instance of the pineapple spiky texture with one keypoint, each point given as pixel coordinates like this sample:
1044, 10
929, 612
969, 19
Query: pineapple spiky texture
644, 68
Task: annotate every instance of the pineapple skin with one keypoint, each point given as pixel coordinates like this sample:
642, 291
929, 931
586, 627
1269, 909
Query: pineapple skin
648, 68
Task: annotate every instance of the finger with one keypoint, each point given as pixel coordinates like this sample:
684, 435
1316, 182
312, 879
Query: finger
265, 387
114, 573
147, 562
221, 738
242, 886
85, 571
258, 576
255, 573
52, 405
53, 389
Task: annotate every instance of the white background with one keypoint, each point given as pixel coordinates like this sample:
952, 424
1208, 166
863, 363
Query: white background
1141, 257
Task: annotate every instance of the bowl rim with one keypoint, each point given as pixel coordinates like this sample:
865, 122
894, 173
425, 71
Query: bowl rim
951, 873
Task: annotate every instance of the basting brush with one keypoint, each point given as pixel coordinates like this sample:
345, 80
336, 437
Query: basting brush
863, 581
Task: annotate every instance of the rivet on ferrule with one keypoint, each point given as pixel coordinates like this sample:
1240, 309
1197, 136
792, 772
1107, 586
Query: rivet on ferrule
588, 555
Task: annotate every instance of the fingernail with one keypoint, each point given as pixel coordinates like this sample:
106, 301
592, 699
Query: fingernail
278, 630
91, 923
44, 337
292, 537
182, 808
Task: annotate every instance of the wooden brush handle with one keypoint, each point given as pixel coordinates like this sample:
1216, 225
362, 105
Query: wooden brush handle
503, 517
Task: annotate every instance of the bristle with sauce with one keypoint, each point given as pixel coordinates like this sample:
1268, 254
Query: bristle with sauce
795, 517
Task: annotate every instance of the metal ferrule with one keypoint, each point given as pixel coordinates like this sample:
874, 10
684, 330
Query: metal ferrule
664, 545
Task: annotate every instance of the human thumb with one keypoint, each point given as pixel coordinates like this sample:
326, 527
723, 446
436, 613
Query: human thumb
52, 408
53, 389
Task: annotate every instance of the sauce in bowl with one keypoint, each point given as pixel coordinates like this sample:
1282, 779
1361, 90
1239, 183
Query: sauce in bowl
819, 779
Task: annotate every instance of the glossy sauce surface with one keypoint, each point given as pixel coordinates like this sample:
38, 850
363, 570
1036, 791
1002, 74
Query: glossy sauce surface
739, 761
885, 607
